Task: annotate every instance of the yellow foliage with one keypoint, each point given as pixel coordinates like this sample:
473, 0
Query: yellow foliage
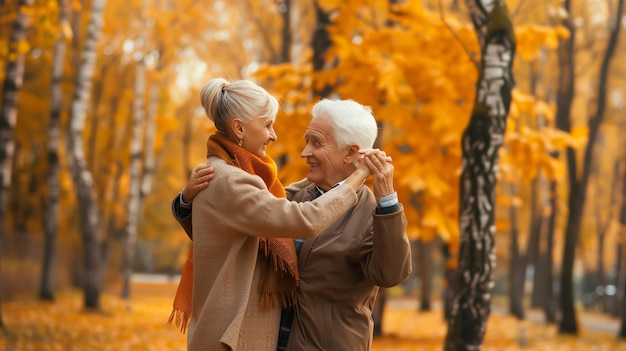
578, 136
4, 48
23, 47
502, 225
527, 150
416, 75
77, 5
415, 112
509, 201
532, 38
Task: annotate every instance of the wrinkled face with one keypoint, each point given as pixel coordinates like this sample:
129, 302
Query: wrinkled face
257, 134
328, 164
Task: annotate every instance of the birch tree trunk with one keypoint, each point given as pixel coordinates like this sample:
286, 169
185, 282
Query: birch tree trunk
81, 176
12, 85
51, 213
140, 181
578, 184
150, 158
134, 201
473, 282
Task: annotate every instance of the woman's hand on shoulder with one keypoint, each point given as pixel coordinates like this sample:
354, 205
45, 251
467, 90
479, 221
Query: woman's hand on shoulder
199, 179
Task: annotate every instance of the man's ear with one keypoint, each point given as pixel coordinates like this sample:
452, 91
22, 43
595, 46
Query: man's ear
353, 152
237, 127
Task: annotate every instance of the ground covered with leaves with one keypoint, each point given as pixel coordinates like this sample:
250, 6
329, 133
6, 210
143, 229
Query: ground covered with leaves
140, 324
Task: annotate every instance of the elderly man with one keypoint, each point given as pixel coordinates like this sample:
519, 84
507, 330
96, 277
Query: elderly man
342, 269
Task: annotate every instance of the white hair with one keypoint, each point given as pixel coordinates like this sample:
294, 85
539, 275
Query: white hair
223, 100
353, 123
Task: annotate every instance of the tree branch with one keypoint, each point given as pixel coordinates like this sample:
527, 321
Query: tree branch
472, 55
517, 8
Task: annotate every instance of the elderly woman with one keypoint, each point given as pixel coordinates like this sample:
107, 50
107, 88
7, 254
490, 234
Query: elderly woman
342, 268
243, 271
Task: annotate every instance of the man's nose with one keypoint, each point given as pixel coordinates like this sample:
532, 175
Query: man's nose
305, 152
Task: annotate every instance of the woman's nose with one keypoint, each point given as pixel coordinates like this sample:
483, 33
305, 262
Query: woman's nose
273, 135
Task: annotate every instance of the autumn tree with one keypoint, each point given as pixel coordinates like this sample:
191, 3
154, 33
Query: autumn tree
14, 72
579, 175
135, 199
82, 177
52, 205
481, 141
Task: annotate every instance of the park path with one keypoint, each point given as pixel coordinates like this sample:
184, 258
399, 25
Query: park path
591, 321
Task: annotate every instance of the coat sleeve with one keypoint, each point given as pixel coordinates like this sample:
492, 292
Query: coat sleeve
248, 207
182, 215
385, 254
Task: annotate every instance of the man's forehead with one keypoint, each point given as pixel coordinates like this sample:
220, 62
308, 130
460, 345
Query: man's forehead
313, 132
319, 126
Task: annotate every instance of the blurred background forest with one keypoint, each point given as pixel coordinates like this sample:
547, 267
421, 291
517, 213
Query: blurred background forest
108, 126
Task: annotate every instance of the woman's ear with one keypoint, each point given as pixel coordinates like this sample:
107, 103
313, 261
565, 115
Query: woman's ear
237, 127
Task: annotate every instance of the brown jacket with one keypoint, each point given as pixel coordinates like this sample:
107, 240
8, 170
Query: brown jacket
340, 272
228, 217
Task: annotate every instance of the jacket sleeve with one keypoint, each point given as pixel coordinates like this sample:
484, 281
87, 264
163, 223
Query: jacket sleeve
293, 188
182, 215
248, 207
385, 254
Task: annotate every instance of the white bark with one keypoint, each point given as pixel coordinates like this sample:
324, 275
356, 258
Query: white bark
81, 176
51, 219
482, 139
8, 115
134, 201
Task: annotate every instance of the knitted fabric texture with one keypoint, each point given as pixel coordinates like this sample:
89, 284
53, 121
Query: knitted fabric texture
279, 276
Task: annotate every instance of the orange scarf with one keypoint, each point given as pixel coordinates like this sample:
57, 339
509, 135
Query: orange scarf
280, 253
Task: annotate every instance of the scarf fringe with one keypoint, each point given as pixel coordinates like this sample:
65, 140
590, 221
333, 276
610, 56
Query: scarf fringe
181, 319
286, 273
279, 263
287, 299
